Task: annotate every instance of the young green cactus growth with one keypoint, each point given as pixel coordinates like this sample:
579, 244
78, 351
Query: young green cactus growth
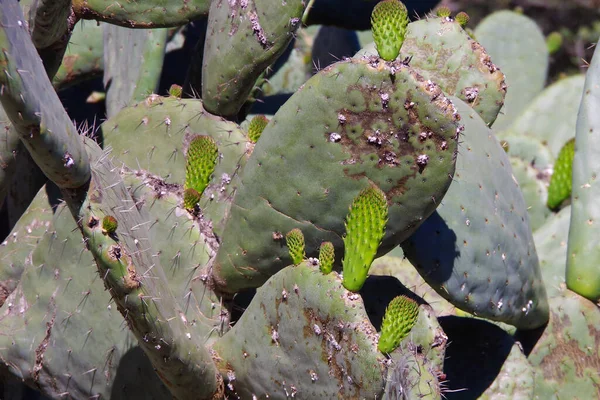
191, 198
295, 242
560, 183
462, 18
388, 23
201, 162
109, 225
442, 12
400, 317
256, 127
365, 228
326, 257
175, 91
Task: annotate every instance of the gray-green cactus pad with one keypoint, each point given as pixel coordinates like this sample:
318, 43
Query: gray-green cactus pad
355, 123
484, 260
442, 51
535, 191
303, 336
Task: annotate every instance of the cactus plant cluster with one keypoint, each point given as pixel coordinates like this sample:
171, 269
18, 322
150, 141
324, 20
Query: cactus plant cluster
193, 247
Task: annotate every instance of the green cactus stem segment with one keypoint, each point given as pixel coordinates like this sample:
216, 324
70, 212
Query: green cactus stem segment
462, 18
256, 127
201, 161
295, 242
109, 225
365, 228
388, 23
561, 181
400, 317
326, 257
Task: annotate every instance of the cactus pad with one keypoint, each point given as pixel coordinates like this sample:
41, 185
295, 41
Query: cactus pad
256, 127
400, 316
560, 183
388, 23
201, 161
365, 227
295, 242
326, 257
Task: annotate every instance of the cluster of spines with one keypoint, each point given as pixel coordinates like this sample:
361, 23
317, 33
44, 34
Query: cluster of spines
388, 23
256, 127
295, 243
201, 162
400, 317
365, 228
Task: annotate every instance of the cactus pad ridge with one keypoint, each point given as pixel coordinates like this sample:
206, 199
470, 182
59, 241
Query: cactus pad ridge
400, 316
295, 242
365, 227
326, 257
560, 183
201, 162
256, 127
389, 21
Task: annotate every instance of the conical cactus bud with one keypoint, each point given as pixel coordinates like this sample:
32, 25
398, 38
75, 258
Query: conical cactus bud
365, 227
109, 225
442, 12
295, 243
462, 18
175, 91
388, 23
201, 162
400, 317
191, 197
560, 182
256, 127
326, 257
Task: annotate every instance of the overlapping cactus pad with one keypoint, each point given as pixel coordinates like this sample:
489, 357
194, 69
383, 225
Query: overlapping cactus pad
356, 123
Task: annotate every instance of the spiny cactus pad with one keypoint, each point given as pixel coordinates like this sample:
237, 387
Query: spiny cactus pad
400, 316
256, 127
295, 243
485, 260
355, 123
560, 183
326, 257
365, 227
388, 23
201, 161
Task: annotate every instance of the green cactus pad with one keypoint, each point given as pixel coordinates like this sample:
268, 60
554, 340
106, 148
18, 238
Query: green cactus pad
400, 317
440, 50
560, 183
485, 260
191, 198
326, 257
534, 187
365, 228
201, 161
109, 225
295, 243
302, 334
354, 124
388, 23
583, 251
256, 127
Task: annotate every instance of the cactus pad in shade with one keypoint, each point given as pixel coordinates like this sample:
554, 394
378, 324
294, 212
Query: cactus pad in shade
354, 124
400, 316
295, 243
317, 332
388, 23
443, 52
326, 257
201, 160
256, 127
365, 227
560, 183
485, 260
